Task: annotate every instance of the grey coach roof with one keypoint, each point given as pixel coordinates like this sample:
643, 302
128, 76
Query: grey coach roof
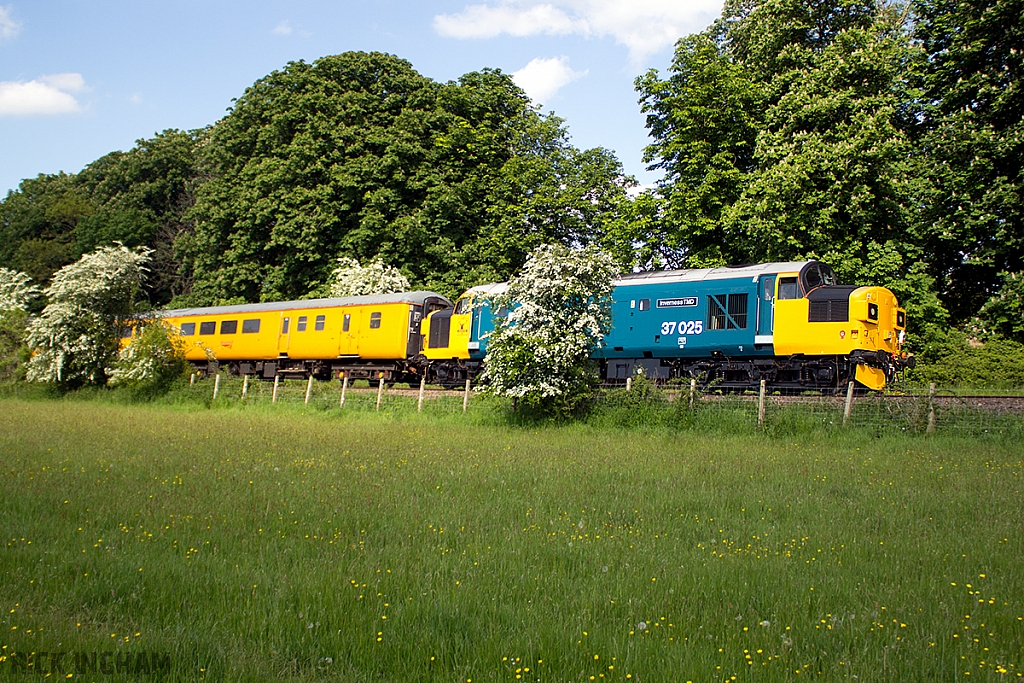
699, 274
416, 298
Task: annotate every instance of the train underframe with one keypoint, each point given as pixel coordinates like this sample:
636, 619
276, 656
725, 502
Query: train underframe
717, 372
795, 373
449, 373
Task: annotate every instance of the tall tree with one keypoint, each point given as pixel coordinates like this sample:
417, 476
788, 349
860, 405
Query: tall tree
972, 187
784, 131
359, 155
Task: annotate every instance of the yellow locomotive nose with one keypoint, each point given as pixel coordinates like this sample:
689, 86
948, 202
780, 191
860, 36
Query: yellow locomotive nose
864, 325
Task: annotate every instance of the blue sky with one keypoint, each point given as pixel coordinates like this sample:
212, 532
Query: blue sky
79, 78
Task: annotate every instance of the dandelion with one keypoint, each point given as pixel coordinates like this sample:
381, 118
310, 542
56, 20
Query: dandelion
641, 626
766, 623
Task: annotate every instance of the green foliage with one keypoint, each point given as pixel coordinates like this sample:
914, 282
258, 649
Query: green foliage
75, 339
136, 198
782, 133
958, 360
971, 187
559, 311
13, 351
1003, 314
152, 361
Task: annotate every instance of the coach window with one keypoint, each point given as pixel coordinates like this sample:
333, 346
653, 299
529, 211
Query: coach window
374, 321
301, 326
788, 288
348, 321
228, 326
251, 326
645, 304
208, 327
319, 327
188, 329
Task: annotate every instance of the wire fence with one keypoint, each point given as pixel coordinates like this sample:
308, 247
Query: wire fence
907, 409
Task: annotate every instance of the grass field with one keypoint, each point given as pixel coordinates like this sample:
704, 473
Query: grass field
249, 544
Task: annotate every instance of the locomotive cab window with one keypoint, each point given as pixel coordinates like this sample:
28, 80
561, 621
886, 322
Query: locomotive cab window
188, 329
126, 332
228, 326
375, 321
788, 288
463, 306
645, 304
319, 325
301, 326
208, 327
251, 326
727, 312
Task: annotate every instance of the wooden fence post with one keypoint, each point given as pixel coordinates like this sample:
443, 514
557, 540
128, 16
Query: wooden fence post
760, 406
931, 409
423, 386
277, 381
848, 408
344, 388
465, 399
309, 388
216, 385
380, 390
245, 386
693, 390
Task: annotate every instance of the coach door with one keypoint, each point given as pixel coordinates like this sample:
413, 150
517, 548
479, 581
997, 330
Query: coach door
765, 310
285, 335
349, 337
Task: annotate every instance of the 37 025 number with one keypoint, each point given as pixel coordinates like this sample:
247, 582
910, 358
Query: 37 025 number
683, 327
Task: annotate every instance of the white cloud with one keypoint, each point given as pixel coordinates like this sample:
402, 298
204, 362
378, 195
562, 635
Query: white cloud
542, 78
283, 29
8, 27
67, 82
44, 95
645, 27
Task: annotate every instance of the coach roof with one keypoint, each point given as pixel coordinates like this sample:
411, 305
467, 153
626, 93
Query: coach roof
415, 298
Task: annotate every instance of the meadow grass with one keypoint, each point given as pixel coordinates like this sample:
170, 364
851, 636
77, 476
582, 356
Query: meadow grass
256, 543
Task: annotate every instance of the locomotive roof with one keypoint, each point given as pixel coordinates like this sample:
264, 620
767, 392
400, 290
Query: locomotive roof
417, 298
752, 271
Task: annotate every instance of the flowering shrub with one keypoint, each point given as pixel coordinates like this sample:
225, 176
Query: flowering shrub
16, 290
75, 339
560, 310
155, 357
376, 277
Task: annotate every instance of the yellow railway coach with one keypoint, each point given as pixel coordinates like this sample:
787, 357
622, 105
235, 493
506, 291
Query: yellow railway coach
362, 336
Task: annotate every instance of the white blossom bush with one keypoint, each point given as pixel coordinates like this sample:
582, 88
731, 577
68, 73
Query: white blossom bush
375, 277
16, 290
559, 312
75, 339
155, 357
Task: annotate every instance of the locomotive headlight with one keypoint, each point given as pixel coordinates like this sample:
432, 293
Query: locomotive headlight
873, 312
901, 319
